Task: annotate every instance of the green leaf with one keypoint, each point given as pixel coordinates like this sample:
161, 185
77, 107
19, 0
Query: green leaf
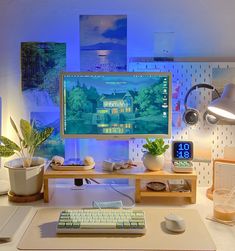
9, 144
148, 140
15, 128
156, 147
24, 144
6, 152
26, 130
166, 147
161, 142
145, 146
14, 125
42, 136
34, 135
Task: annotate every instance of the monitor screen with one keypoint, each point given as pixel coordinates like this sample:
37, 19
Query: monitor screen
115, 105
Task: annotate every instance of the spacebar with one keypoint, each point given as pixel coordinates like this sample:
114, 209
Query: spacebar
99, 225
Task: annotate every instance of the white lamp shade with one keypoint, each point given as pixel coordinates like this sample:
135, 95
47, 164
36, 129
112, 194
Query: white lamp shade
225, 105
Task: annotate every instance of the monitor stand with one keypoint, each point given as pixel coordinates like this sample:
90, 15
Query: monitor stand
76, 150
78, 182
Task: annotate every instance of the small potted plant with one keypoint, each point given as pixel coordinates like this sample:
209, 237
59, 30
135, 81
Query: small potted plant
153, 158
25, 172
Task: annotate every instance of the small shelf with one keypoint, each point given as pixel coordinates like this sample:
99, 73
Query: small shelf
149, 193
168, 175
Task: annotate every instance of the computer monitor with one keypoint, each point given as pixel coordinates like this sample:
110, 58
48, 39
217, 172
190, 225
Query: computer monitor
115, 105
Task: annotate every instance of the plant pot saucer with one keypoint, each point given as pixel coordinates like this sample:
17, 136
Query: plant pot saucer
24, 198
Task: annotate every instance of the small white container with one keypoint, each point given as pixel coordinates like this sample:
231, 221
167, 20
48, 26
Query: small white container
26, 181
153, 162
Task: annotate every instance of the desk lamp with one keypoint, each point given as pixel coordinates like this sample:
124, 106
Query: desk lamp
224, 106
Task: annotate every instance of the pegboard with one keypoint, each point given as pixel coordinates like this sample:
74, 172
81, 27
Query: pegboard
185, 75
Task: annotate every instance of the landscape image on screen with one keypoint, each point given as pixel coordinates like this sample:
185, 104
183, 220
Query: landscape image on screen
115, 104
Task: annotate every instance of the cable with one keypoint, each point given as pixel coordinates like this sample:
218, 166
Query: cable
126, 195
95, 181
94, 203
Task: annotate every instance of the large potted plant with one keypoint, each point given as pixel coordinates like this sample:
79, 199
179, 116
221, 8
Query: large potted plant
153, 158
25, 172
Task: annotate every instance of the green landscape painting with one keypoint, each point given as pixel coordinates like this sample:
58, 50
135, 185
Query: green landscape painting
116, 105
41, 64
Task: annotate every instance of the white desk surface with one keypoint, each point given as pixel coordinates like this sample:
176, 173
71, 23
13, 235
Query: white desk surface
66, 196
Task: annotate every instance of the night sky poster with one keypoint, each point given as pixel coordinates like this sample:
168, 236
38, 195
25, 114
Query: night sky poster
103, 43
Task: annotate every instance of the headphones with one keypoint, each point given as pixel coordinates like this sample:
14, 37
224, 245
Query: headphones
191, 115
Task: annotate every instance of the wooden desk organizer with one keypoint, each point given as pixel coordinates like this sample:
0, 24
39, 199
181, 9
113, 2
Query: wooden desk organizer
137, 173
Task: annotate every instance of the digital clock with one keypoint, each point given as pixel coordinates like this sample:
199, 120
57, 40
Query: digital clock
182, 150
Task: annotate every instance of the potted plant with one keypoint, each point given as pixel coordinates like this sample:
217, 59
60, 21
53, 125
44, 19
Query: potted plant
25, 172
153, 158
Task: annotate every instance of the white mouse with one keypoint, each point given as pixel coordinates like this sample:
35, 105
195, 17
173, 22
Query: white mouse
175, 223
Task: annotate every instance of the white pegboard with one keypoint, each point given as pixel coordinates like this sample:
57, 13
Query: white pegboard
187, 74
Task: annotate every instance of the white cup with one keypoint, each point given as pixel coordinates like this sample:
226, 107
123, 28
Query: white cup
108, 166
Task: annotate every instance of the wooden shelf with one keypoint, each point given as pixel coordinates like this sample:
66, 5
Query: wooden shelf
149, 193
138, 173
181, 59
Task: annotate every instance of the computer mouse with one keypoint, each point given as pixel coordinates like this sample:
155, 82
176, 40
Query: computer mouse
174, 223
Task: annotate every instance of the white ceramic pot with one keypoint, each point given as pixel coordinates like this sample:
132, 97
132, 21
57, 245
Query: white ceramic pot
26, 181
153, 162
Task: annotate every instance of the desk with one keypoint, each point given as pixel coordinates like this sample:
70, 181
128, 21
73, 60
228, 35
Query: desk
137, 173
222, 235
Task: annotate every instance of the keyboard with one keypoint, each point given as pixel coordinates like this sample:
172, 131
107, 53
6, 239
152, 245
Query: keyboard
11, 217
182, 166
101, 221
183, 163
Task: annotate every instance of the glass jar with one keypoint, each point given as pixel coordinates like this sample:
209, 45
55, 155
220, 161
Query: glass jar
224, 204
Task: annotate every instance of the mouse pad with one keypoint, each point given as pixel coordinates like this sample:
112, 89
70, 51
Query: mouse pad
41, 234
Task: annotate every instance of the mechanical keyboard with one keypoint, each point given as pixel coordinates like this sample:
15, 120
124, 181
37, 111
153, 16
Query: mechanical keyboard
183, 163
182, 166
108, 221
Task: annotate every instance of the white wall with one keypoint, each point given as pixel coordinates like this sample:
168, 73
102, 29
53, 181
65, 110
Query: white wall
202, 28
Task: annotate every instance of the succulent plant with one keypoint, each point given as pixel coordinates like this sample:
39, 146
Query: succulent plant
156, 147
29, 140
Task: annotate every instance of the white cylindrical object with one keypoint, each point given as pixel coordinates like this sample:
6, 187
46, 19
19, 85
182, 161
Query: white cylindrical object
108, 166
